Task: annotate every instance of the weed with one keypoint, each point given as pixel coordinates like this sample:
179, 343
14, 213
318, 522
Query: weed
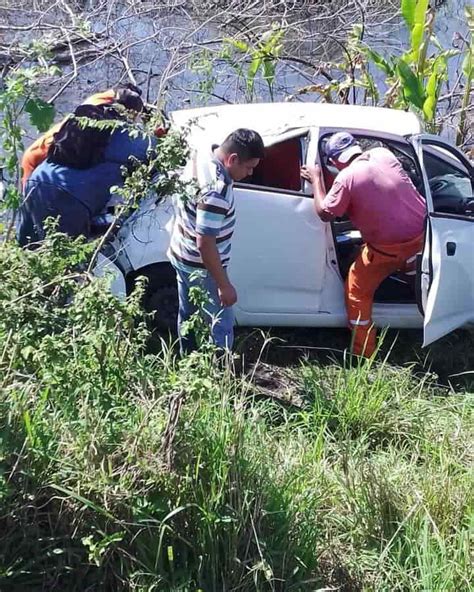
126, 470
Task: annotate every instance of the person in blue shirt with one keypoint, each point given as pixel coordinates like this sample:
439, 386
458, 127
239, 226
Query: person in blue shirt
75, 196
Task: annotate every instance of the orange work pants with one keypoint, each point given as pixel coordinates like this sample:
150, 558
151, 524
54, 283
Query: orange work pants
372, 266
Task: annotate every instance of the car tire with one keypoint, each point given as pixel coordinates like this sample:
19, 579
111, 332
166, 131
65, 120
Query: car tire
163, 304
160, 297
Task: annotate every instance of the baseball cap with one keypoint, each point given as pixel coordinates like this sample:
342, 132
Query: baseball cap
342, 146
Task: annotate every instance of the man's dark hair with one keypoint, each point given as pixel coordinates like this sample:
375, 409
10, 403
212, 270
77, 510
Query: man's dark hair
246, 143
81, 147
130, 98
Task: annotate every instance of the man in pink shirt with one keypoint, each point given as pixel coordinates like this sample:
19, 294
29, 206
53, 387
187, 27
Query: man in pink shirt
380, 199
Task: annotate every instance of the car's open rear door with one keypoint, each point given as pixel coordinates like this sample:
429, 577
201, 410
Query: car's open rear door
447, 267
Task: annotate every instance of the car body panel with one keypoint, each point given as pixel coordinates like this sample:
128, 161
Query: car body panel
145, 236
447, 269
106, 268
277, 119
278, 253
450, 296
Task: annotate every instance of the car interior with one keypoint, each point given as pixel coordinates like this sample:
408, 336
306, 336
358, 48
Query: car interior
280, 168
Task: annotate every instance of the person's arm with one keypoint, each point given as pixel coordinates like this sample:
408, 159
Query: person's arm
314, 175
101, 98
33, 156
38, 152
207, 246
211, 214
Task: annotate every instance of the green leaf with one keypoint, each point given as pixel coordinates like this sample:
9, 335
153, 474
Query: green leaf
450, 53
380, 62
12, 197
467, 65
418, 27
469, 13
408, 12
77, 496
271, 44
429, 106
41, 113
435, 41
411, 85
28, 427
432, 83
255, 65
28, 351
237, 44
252, 71
420, 11
441, 66
269, 70
416, 40
369, 83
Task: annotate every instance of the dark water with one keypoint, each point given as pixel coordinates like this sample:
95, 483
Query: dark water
389, 37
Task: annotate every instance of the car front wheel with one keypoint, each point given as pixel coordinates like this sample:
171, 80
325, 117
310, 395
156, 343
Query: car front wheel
162, 302
161, 295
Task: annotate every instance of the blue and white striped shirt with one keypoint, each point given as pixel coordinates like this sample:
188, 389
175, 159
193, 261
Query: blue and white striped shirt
211, 212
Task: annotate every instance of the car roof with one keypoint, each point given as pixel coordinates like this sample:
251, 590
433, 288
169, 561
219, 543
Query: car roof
277, 119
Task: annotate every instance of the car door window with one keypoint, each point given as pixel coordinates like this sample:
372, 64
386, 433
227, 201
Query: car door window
450, 183
403, 152
280, 168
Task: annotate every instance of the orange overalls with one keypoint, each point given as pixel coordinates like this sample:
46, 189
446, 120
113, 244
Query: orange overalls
38, 151
372, 266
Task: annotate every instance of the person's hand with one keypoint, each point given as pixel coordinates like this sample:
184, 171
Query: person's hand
227, 294
310, 172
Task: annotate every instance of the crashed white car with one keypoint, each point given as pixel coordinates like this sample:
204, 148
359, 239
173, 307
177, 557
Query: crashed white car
287, 265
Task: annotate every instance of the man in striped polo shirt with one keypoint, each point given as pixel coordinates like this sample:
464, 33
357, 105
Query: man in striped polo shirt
202, 234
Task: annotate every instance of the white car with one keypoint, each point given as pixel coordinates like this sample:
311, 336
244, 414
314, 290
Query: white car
287, 265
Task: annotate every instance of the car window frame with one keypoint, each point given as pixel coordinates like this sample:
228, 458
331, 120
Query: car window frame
398, 142
337, 223
305, 139
289, 192
435, 141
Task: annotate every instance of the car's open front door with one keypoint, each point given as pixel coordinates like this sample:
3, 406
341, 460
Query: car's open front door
447, 267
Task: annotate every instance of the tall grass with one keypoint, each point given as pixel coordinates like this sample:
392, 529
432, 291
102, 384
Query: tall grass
125, 470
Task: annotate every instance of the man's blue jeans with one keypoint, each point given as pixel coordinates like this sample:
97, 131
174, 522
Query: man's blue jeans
219, 318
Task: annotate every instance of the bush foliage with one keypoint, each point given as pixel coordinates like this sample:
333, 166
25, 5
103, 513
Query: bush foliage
122, 469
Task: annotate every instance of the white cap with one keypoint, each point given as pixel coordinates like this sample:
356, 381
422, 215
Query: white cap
348, 153
342, 146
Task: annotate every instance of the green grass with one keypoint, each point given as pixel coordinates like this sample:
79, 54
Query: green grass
126, 470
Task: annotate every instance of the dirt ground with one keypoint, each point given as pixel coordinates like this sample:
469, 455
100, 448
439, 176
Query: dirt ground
451, 358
